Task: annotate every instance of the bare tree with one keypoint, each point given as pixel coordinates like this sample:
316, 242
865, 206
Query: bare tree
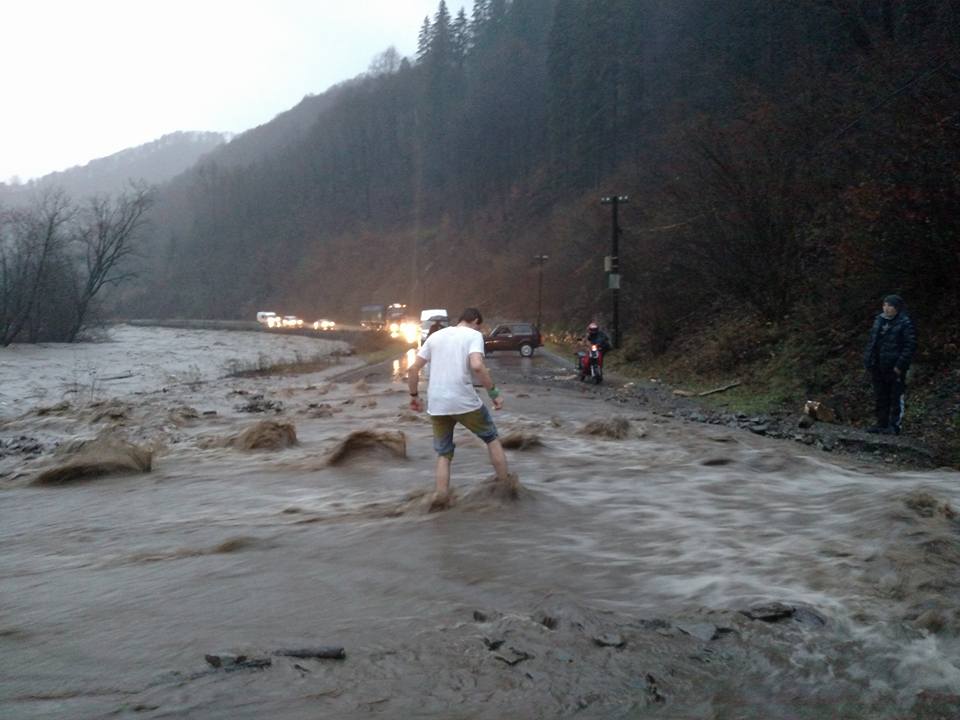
30, 241
106, 235
386, 63
55, 257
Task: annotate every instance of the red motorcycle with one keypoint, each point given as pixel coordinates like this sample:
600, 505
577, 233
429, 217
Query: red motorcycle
590, 364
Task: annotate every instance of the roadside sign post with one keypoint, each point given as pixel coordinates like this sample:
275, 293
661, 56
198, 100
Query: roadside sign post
611, 264
540, 259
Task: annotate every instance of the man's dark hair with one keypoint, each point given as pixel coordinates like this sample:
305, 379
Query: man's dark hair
894, 300
471, 315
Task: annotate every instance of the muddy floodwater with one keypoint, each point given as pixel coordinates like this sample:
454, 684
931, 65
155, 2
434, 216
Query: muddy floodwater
648, 567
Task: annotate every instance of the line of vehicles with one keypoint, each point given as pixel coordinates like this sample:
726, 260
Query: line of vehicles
522, 337
397, 320
400, 322
291, 322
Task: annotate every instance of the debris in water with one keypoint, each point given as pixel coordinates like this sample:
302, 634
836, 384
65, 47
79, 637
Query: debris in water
265, 435
512, 656
701, 631
616, 428
229, 661
259, 404
114, 410
520, 441
57, 409
926, 505
183, 414
770, 612
101, 456
393, 442
323, 652
614, 640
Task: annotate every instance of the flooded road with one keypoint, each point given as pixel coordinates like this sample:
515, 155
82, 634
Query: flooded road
649, 567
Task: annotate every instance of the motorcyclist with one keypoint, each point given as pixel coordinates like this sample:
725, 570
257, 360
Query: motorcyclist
596, 336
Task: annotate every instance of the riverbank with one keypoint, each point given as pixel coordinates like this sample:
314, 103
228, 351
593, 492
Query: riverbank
758, 398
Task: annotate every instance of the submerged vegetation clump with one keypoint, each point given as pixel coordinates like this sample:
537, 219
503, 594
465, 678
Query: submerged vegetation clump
104, 455
265, 435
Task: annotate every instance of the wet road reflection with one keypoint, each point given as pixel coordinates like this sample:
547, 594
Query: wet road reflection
403, 363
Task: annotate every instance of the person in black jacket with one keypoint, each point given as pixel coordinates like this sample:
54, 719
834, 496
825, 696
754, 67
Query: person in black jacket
893, 340
596, 336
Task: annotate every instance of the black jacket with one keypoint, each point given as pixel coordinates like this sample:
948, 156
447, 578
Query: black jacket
600, 339
892, 343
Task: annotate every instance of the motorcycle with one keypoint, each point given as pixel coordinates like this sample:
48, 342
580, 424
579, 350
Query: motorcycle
590, 364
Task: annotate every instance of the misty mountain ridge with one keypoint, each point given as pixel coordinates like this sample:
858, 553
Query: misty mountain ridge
154, 162
159, 161
287, 129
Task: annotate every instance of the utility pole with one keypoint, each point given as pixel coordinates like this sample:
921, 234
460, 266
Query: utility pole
540, 259
612, 264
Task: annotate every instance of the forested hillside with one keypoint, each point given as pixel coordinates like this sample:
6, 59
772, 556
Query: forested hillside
787, 164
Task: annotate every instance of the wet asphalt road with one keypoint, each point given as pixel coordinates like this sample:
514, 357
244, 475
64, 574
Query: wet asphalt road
506, 368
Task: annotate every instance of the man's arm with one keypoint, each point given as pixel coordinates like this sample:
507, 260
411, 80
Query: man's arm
483, 375
413, 383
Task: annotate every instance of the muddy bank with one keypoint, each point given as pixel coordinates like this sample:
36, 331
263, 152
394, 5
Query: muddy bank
830, 437
905, 451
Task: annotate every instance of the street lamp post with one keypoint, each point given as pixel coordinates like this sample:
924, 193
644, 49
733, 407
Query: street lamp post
540, 259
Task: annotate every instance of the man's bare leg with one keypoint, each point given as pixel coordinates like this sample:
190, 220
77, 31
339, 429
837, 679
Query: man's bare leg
498, 458
442, 497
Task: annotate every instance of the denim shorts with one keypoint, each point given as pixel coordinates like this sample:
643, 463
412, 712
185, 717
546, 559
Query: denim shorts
476, 421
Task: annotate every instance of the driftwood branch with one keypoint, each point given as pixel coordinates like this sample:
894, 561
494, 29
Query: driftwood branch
117, 377
719, 389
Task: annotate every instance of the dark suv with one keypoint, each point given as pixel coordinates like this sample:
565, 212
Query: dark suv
520, 337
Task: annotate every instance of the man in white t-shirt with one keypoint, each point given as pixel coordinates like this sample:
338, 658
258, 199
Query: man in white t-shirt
455, 355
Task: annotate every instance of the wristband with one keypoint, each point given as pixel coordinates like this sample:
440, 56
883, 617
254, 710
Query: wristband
493, 393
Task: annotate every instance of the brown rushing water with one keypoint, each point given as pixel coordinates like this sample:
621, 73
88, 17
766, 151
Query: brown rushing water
612, 587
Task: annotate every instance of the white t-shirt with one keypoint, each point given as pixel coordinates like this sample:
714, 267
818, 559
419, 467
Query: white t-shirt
450, 387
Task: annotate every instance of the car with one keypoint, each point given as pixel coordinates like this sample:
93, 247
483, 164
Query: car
324, 325
291, 321
522, 337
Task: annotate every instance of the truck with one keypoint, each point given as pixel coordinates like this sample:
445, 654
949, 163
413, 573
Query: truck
373, 317
396, 316
392, 317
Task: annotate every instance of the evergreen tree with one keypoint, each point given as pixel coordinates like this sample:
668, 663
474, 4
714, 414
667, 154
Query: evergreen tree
461, 38
423, 40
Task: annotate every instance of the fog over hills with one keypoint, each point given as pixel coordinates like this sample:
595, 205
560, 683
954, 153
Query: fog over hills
154, 163
161, 160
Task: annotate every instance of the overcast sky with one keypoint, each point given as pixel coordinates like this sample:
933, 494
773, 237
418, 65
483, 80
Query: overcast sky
83, 79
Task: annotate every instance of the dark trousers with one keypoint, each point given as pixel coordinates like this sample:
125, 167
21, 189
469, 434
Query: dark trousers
888, 389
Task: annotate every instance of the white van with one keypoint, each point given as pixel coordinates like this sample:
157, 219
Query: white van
264, 317
428, 317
